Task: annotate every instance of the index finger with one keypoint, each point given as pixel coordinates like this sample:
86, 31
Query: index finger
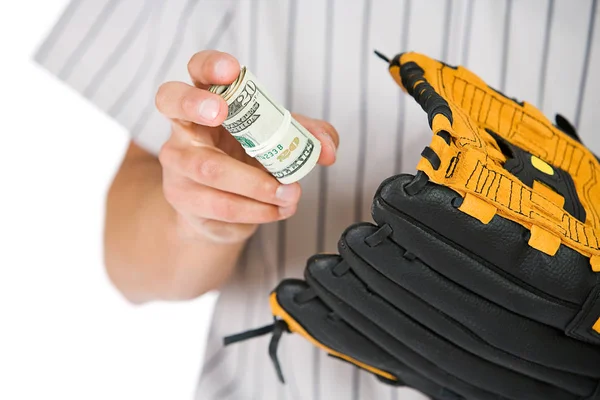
212, 67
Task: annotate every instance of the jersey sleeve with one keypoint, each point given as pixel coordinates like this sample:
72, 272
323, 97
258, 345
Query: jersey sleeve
117, 53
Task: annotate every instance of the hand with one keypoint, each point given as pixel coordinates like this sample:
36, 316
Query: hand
217, 190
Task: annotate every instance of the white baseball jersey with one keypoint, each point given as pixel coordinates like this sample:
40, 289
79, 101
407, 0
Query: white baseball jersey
316, 58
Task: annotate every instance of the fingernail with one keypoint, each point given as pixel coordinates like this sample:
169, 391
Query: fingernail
223, 66
209, 108
287, 193
285, 212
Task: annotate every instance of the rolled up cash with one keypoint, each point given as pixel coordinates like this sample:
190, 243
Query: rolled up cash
266, 130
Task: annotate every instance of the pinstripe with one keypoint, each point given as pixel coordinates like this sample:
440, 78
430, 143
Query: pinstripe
586, 62
402, 97
323, 176
282, 225
168, 60
142, 70
326, 94
289, 68
88, 39
252, 59
362, 123
264, 279
116, 55
467, 34
214, 39
545, 55
362, 144
401, 114
213, 362
446, 30
57, 31
505, 43
230, 387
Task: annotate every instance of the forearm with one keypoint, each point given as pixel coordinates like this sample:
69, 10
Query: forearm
147, 255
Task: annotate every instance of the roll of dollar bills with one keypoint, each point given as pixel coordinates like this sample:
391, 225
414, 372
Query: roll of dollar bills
266, 130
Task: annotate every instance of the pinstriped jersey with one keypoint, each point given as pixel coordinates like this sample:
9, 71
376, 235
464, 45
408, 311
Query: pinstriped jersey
316, 58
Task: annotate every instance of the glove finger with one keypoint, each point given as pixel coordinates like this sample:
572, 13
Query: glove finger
467, 320
492, 260
469, 110
338, 338
389, 327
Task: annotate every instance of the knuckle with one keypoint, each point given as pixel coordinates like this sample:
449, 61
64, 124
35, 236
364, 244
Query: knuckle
206, 168
185, 104
266, 188
195, 60
167, 155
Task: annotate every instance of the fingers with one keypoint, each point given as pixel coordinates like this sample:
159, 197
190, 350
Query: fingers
326, 134
181, 101
211, 67
203, 202
211, 167
178, 100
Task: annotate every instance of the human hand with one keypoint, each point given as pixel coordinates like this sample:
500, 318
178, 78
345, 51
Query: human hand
217, 190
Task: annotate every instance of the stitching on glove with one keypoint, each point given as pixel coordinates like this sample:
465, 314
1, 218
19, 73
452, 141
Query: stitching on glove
452, 166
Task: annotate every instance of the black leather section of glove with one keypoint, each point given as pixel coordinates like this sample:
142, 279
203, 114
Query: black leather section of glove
393, 329
316, 318
470, 321
581, 326
453, 307
493, 260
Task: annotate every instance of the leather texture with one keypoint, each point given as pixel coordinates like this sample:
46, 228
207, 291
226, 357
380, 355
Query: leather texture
455, 290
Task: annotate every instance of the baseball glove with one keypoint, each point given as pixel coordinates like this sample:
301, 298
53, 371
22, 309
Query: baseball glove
480, 278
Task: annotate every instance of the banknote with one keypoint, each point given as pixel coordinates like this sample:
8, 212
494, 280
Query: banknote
266, 130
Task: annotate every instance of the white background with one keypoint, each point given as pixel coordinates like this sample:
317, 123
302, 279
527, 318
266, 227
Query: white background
65, 332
